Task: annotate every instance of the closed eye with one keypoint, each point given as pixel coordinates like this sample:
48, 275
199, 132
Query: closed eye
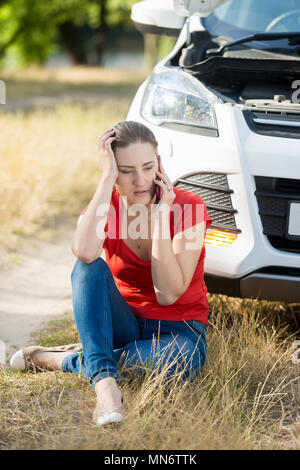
130, 171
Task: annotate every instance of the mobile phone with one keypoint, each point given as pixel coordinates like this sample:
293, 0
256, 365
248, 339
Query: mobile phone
157, 189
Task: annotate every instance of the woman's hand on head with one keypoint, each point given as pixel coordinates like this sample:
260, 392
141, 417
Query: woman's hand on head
107, 160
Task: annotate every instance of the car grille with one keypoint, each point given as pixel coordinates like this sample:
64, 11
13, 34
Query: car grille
273, 197
275, 123
214, 190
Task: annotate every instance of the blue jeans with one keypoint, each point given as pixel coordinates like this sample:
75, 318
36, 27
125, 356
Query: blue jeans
112, 336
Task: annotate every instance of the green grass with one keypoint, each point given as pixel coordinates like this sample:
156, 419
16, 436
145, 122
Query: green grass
59, 331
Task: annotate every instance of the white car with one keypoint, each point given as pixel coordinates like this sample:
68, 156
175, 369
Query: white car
224, 107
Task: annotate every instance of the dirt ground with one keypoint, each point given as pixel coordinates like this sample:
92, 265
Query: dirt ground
36, 288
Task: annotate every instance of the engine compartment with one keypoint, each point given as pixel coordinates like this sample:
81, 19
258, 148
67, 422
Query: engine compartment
241, 73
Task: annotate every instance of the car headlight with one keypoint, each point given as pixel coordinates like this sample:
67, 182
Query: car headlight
175, 96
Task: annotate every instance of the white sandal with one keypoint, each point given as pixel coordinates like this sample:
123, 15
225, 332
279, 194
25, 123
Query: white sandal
109, 417
112, 416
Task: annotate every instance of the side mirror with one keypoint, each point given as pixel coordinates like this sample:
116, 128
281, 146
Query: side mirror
157, 17
167, 17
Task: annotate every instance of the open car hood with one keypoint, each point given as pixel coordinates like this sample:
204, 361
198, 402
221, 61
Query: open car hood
241, 64
233, 69
196, 7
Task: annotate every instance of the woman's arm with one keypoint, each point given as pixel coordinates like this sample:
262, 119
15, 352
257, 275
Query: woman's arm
88, 239
89, 236
174, 262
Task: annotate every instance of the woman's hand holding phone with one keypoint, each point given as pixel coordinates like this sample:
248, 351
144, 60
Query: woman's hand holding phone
157, 188
107, 160
164, 190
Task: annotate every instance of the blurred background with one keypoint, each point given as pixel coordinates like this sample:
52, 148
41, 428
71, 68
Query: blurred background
75, 32
71, 69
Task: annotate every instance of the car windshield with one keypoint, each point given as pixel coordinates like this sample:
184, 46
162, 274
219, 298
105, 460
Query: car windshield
238, 18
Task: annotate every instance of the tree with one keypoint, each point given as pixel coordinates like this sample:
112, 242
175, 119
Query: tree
35, 28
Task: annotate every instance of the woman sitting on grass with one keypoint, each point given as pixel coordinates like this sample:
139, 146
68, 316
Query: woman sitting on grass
145, 306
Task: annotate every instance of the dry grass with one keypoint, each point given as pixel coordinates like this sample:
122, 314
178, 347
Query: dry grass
247, 396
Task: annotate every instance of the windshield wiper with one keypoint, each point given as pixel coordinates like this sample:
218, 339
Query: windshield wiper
294, 38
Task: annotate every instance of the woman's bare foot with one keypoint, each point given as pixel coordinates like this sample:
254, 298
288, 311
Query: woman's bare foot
110, 404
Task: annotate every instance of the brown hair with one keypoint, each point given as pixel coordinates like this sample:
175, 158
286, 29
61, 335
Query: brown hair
129, 132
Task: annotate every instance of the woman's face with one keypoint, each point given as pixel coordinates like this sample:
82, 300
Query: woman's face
137, 164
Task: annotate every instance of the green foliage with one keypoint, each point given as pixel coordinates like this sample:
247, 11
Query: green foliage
29, 28
119, 12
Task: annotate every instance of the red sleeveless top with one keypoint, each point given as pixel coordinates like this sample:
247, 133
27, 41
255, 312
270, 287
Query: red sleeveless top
132, 275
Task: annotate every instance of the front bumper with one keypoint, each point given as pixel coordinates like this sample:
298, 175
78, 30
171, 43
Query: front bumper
257, 285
